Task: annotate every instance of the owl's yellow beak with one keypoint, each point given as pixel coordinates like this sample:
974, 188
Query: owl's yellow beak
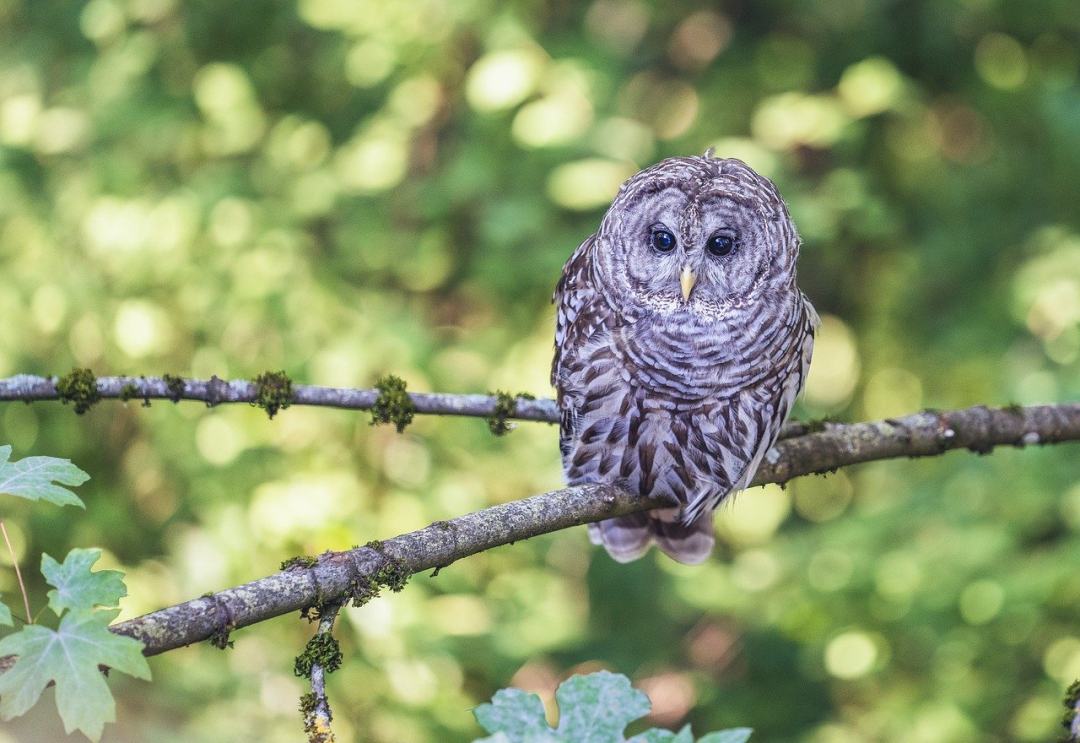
687, 280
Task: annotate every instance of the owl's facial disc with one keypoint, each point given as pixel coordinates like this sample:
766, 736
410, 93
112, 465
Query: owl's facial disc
694, 238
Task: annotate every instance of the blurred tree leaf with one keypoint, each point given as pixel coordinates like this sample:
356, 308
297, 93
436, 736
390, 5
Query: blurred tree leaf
33, 478
5, 615
76, 586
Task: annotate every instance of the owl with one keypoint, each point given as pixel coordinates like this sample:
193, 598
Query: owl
681, 342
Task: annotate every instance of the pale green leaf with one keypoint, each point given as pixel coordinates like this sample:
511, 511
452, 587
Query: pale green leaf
592, 709
5, 615
69, 656
514, 716
656, 735
76, 586
36, 478
597, 707
732, 735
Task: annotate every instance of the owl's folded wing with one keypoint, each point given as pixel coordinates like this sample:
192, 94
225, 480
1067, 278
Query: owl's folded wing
581, 313
579, 309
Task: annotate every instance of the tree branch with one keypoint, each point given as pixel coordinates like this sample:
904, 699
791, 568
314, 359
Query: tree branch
315, 705
215, 391
358, 572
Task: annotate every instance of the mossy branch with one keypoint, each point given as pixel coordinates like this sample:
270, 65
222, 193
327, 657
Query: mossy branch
321, 656
498, 409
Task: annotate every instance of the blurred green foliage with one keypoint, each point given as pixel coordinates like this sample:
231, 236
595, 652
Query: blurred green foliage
347, 189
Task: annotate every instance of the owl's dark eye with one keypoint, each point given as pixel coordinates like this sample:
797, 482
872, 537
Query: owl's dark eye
663, 240
720, 244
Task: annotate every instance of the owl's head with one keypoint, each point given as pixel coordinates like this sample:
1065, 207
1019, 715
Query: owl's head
695, 235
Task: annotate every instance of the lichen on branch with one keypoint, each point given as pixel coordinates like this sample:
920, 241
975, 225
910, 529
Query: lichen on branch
393, 404
505, 409
79, 387
273, 392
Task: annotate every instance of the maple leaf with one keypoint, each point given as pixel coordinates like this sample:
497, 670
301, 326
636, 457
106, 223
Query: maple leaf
69, 656
76, 586
32, 478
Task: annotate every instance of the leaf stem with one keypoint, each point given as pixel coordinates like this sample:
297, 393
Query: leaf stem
18, 573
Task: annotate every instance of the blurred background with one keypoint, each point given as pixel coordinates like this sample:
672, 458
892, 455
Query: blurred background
341, 189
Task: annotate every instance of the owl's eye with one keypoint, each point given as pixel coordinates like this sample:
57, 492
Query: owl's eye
720, 244
663, 241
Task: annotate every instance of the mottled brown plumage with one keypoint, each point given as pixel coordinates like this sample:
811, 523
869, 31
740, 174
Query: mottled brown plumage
681, 343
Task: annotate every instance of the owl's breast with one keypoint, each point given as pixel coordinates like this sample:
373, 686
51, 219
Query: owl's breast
683, 360
679, 363
626, 433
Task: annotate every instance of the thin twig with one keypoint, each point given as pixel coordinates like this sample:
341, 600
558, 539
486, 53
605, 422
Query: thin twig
336, 574
316, 708
215, 391
18, 573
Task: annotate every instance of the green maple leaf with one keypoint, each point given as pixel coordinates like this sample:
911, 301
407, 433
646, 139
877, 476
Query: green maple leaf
69, 656
592, 709
76, 586
32, 478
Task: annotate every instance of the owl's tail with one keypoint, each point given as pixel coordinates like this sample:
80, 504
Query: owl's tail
626, 538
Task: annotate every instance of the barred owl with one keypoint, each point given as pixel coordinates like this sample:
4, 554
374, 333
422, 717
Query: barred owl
681, 343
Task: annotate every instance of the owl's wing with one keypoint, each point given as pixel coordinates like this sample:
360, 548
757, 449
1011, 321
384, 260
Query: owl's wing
764, 416
580, 314
579, 310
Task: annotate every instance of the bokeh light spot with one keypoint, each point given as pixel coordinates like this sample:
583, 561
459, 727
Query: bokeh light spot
582, 185
48, 306
617, 24
750, 152
822, 499
870, 87
981, 601
373, 162
850, 655
892, 392
897, 575
101, 20
552, 121
1061, 661
835, 368
369, 62
788, 120
503, 79
755, 570
141, 328
18, 119
1001, 61
699, 38
218, 439
754, 516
